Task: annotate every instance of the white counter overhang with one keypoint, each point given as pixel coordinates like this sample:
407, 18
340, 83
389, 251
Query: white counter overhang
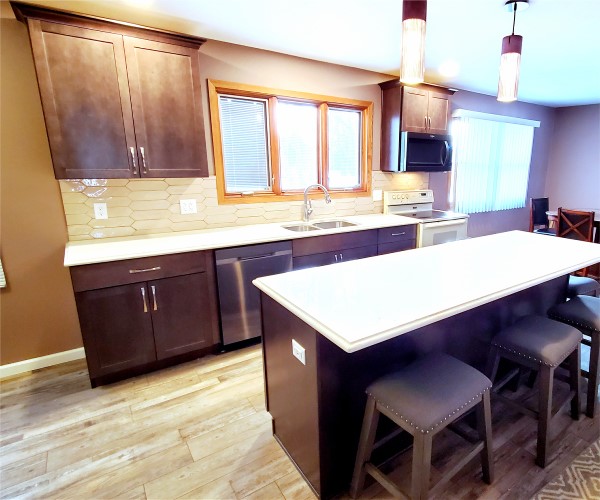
84, 252
361, 303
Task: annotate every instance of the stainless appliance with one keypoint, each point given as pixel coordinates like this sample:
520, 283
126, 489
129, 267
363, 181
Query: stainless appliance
239, 299
435, 226
424, 152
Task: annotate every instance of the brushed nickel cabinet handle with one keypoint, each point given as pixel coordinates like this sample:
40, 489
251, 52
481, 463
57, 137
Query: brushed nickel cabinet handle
132, 150
155, 305
425, 123
143, 290
143, 160
341, 256
336, 259
399, 234
135, 271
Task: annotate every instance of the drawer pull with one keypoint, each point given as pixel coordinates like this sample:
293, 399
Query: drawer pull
143, 290
155, 305
135, 271
399, 234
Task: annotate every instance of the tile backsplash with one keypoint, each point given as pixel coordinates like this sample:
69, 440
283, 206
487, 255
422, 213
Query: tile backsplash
151, 206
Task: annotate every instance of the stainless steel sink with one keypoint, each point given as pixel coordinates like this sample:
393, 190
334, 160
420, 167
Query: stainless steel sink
331, 224
301, 227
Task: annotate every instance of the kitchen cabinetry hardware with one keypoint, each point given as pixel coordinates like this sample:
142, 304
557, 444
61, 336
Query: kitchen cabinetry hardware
143, 160
155, 305
102, 82
136, 271
399, 234
132, 150
143, 290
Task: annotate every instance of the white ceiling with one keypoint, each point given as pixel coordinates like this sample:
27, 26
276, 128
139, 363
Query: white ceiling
560, 63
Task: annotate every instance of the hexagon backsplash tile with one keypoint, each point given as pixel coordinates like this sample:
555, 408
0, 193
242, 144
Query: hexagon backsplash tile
151, 206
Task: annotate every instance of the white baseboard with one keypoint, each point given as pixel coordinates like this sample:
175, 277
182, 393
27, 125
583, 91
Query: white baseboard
28, 365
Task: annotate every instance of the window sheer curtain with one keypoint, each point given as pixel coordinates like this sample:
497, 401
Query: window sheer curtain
492, 160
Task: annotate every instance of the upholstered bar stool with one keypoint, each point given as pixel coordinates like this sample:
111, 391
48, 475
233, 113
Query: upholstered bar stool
579, 285
424, 398
584, 314
540, 344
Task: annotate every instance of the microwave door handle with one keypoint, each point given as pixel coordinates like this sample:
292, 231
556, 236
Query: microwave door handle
446, 152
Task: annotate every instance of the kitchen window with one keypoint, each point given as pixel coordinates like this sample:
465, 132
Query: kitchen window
270, 144
492, 155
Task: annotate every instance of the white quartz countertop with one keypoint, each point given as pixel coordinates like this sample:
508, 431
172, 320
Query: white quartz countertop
79, 253
360, 303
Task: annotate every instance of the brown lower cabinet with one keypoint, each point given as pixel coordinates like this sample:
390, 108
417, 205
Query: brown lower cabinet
142, 314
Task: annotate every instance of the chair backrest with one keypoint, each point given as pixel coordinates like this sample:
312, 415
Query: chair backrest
537, 213
575, 224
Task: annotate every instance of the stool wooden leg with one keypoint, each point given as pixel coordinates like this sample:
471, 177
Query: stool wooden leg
421, 466
546, 375
593, 377
575, 381
484, 426
365, 447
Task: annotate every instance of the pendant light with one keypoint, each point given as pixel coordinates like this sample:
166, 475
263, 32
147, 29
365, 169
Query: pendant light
412, 64
510, 61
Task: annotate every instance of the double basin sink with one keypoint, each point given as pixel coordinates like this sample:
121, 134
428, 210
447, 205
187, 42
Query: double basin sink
315, 226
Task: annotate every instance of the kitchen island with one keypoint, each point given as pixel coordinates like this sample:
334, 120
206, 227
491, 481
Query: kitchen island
359, 320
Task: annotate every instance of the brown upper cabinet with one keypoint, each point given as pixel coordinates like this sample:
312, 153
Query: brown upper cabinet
119, 101
424, 108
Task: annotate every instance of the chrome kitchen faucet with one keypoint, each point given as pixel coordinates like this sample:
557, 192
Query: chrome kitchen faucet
308, 205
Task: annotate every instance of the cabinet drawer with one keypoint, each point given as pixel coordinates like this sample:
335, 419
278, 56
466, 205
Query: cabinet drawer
122, 272
396, 246
396, 233
323, 259
333, 242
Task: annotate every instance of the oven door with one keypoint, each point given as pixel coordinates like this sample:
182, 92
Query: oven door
435, 233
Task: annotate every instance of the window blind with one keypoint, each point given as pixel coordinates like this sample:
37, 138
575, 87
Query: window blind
244, 136
297, 125
492, 162
344, 129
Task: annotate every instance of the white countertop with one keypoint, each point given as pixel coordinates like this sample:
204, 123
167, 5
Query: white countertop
360, 303
79, 253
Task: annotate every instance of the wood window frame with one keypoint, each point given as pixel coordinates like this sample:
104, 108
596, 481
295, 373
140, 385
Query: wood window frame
323, 102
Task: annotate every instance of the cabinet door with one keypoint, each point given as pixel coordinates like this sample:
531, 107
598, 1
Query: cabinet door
83, 85
117, 328
438, 111
180, 314
414, 109
164, 82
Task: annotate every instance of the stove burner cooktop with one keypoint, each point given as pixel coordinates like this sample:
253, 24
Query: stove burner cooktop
432, 215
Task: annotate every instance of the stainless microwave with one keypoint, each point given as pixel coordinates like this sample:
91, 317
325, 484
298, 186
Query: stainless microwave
425, 152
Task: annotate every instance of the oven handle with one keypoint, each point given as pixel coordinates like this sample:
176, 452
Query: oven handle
442, 223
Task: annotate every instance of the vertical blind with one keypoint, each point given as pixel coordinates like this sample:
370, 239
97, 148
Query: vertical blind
245, 144
344, 129
492, 160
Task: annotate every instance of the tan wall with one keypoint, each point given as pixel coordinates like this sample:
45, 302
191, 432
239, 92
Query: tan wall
37, 309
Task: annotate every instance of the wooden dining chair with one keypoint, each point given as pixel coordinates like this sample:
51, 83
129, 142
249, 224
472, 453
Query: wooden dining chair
538, 219
576, 225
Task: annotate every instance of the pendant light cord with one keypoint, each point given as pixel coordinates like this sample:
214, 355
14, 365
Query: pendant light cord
514, 17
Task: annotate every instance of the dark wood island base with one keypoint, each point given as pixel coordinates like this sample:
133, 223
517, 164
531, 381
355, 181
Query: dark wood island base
317, 408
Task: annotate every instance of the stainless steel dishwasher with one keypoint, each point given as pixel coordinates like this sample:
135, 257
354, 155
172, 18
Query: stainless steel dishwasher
239, 299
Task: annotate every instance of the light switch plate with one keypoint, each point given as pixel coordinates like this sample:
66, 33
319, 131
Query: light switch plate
100, 211
377, 195
188, 206
299, 352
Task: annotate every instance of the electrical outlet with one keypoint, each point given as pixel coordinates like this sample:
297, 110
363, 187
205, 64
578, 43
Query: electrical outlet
100, 211
299, 352
188, 206
377, 194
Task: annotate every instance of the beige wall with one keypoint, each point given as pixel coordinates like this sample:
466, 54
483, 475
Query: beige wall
37, 309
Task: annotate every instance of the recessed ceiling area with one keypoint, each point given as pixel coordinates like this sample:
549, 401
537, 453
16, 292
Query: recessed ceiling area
560, 63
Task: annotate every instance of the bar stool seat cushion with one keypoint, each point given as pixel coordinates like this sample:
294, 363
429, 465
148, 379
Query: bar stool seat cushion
581, 312
578, 285
539, 339
429, 391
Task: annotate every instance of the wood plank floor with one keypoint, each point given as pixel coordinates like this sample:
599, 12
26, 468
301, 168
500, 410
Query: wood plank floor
200, 430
